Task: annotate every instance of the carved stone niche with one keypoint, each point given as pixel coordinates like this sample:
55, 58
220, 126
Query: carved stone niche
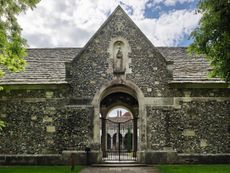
118, 57
119, 61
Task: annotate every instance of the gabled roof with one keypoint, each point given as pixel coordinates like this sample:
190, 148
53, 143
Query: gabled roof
47, 66
124, 15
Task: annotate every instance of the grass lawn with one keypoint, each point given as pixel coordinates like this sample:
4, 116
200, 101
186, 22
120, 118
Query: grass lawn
38, 169
194, 168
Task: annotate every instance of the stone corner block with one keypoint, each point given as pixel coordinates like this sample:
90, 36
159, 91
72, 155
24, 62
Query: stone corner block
188, 132
50, 129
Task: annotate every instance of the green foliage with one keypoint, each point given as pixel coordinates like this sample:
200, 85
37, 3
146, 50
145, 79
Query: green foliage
194, 168
2, 124
212, 37
12, 45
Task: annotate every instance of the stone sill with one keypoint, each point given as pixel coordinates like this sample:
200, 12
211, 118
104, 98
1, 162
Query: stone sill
30, 155
204, 154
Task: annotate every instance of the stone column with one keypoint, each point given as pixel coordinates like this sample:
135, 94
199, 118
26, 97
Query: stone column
135, 137
117, 138
123, 144
135, 127
103, 136
111, 145
103, 131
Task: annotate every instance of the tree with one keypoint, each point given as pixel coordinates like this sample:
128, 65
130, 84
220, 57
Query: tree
212, 36
12, 45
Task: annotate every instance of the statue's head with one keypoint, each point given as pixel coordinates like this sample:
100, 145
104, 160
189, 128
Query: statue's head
119, 45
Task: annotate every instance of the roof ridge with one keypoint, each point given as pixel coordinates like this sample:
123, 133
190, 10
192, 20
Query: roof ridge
171, 47
51, 48
44, 48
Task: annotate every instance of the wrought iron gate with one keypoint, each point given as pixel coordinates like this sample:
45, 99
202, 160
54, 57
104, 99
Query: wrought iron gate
119, 140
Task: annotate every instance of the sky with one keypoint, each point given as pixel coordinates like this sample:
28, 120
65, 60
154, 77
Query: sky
113, 112
71, 23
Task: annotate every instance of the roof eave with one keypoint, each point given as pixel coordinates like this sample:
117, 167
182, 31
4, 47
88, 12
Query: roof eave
199, 84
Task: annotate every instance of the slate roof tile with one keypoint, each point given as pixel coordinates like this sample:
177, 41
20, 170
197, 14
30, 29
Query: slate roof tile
47, 66
186, 67
44, 66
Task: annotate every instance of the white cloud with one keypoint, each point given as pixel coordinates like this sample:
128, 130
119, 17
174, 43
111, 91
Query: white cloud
168, 2
170, 28
71, 23
173, 2
64, 23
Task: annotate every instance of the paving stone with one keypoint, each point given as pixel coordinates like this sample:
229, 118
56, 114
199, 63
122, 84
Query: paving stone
119, 170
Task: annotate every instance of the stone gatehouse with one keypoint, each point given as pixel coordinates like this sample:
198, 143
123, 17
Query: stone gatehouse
59, 105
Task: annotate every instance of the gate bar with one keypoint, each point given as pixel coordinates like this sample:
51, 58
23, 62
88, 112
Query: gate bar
119, 142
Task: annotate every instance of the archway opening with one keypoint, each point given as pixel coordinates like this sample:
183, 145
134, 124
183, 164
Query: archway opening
119, 114
123, 117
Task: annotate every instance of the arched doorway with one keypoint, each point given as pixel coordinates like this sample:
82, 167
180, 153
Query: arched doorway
121, 129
